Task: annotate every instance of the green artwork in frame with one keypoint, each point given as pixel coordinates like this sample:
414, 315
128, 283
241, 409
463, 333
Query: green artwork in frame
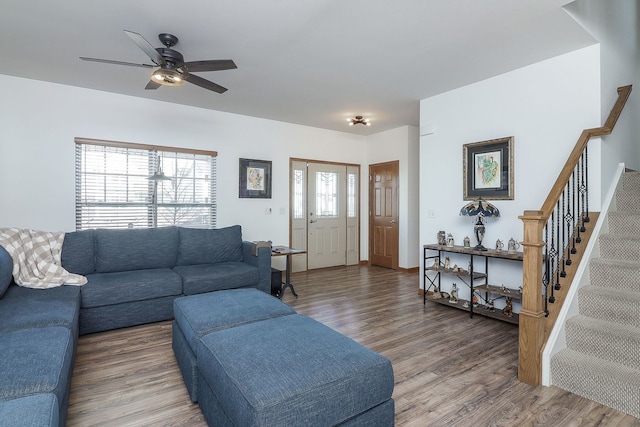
488, 170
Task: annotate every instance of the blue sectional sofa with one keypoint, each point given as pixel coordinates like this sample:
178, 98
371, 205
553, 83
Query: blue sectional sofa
133, 277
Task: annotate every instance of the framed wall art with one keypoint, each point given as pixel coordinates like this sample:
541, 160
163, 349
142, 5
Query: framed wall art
255, 179
488, 169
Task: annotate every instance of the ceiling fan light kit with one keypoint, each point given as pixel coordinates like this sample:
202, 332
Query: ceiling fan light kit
168, 77
173, 71
359, 120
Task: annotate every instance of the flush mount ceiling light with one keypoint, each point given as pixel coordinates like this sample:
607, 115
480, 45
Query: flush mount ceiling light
359, 120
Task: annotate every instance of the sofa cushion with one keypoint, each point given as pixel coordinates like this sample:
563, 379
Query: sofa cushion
135, 249
197, 279
23, 308
38, 410
126, 286
208, 246
6, 270
78, 252
36, 361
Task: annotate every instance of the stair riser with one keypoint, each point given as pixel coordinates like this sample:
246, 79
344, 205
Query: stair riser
631, 181
595, 383
627, 201
620, 223
613, 247
624, 278
607, 345
610, 308
601, 360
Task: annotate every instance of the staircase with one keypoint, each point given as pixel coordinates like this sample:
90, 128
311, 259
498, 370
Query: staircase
602, 358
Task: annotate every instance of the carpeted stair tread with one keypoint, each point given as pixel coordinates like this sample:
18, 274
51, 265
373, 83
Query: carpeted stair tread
612, 305
605, 340
624, 223
608, 383
620, 246
613, 273
602, 358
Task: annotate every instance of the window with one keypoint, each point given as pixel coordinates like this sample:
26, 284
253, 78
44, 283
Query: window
351, 195
298, 194
114, 189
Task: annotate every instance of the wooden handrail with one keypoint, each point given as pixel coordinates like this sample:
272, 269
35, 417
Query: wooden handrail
574, 157
534, 329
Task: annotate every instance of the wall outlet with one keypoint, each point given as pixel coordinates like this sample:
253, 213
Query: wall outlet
431, 213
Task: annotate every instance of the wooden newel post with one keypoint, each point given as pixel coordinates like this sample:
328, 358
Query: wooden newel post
532, 315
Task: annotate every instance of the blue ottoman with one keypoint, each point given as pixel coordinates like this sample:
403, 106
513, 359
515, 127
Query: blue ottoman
292, 371
198, 315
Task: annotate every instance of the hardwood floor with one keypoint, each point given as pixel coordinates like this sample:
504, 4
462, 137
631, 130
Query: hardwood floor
449, 370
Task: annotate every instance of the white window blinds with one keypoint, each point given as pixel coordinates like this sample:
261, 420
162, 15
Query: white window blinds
113, 189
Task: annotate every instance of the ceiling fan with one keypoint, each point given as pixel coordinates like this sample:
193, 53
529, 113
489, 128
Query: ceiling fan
173, 70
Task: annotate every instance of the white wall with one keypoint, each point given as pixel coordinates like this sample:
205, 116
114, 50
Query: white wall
40, 120
544, 106
614, 24
401, 144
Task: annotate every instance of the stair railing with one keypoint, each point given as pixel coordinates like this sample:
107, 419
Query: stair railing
552, 239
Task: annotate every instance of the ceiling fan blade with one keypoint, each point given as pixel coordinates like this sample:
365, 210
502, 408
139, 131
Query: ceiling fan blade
146, 47
152, 85
204, 83
211, 65
108, 61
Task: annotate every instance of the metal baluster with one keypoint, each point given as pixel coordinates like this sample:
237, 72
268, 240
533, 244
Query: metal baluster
567, 226
554, 252
583, 194
566, 259
586, 182
545, 276
578, 207
572, 224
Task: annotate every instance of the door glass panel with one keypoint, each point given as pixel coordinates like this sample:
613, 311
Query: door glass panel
351, 195
298, 194
326, 194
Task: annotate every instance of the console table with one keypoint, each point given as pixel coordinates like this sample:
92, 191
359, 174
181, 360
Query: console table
288, 252
469, 276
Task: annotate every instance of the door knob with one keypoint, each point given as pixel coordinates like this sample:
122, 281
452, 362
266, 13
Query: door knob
312, 221
393, 221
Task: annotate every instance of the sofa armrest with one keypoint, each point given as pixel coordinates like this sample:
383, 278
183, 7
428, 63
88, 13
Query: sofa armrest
6, 270
259, 255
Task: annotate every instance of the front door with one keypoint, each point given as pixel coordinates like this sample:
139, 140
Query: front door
325, 214
383, 214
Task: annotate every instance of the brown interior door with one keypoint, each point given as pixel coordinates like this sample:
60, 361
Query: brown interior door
383, 214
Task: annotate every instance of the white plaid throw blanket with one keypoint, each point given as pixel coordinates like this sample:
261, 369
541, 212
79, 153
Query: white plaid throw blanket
36, 258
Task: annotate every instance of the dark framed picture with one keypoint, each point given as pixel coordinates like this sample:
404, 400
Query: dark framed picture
255, 179
488, 169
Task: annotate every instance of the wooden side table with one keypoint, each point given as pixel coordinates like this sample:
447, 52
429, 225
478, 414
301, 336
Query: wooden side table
288, 252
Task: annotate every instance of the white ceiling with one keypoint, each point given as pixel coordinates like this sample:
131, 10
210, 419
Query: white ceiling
310, 62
